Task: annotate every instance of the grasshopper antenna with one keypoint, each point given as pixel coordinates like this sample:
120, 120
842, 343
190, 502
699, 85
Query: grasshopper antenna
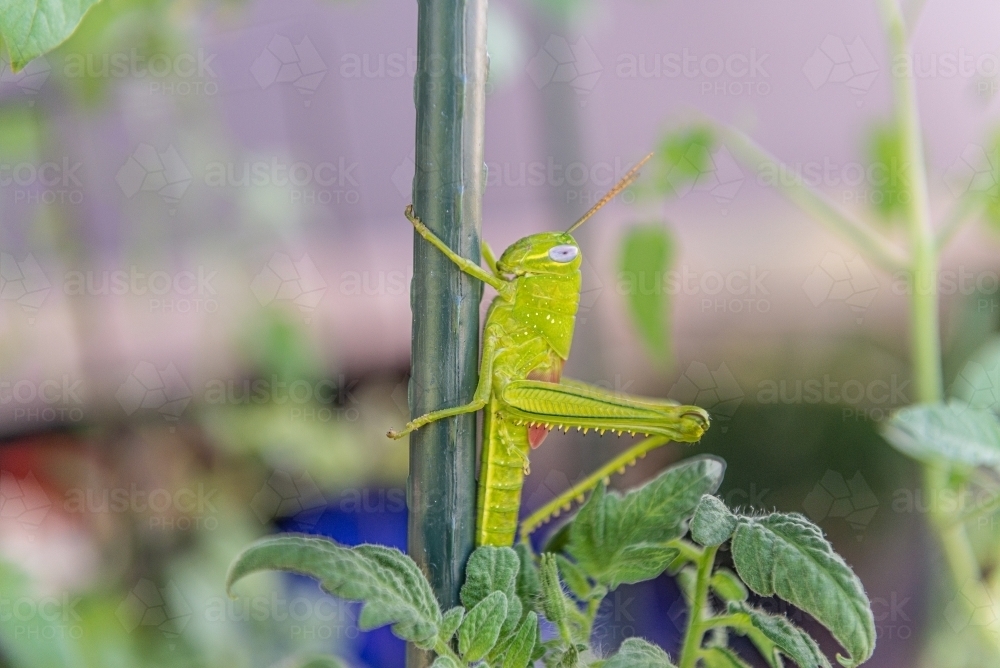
626, 181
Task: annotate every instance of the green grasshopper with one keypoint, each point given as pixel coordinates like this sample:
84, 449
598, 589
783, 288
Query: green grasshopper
526, 341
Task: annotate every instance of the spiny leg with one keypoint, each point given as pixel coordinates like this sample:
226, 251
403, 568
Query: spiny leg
479, 398
573, 404
575, 493
468, 266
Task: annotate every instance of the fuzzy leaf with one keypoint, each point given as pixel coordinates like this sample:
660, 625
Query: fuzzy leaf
529, 584
787, 556
792, 641
450, 622
553, 598
491, 569
713, 523
638, 653
445, 662
519, 653
574, 577
621, 539
952, 432
393, 589
481, 627
31, 28
728, 586
722, 657
646, 256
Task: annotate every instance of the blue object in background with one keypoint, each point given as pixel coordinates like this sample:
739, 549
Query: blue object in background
356, 516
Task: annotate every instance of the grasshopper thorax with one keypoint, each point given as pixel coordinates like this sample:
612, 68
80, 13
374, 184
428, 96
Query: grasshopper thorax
547, 253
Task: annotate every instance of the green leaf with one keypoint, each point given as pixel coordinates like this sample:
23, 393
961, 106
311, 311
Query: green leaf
319, 662
481, 627
450, 622
445, 662
728, 586
392, 587
647, 254
682, 158
521, 649
489, 569
978, 178
787, 556
790, 639
553, 599
722, 657
529, 584
574, 577
687, 580
31, 28
713, 523
978, 383
638, 653
492, 569
950, 432
618, 539
889, 172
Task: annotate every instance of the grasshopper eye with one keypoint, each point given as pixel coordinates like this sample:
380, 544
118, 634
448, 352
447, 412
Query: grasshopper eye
564, 253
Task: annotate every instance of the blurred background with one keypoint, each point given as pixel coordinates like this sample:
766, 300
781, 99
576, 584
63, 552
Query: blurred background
204, 311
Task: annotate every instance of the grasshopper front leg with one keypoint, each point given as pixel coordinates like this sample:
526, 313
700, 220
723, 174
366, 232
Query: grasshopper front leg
479, 398
468, 266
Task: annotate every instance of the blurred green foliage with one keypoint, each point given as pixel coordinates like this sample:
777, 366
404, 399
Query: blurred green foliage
647, 254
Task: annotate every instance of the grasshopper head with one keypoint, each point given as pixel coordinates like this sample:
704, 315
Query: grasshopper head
555, 253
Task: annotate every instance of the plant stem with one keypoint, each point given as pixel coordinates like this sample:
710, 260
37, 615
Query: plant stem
925, 324
593, 606
696, 622
450, 95
925, 334
873, 244
444, 649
